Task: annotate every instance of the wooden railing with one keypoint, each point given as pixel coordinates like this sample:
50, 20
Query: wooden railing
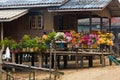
8, 75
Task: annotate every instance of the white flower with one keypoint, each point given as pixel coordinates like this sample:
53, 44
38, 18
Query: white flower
59, 36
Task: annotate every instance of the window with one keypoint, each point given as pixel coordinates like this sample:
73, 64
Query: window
36, 21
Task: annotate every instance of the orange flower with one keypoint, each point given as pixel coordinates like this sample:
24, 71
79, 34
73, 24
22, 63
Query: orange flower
77, 35
73, 40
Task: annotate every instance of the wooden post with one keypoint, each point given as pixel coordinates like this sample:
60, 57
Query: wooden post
110, 62
90, 61
58, 61
81, 62
103, 60
100, 59
32, 59
55, 65
46, 60
13, 60
101, 23
90, 23
110, 25
50, 67
1, 51
20, 58
76, 58
40, 57
65, 61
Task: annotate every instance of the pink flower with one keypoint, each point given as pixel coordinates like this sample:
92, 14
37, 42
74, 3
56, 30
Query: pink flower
67, 34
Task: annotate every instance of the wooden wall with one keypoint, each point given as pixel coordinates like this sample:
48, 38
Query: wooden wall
69, 22
17, 28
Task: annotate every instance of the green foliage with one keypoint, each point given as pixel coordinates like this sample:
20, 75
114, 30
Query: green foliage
7, 42
25, 37
42, 46
27, 41
24, 42
36, 39
50, 37
14, 45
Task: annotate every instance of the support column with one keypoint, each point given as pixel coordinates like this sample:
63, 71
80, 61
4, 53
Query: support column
109, 24
90, 23
101, 23
1, 51
60, 22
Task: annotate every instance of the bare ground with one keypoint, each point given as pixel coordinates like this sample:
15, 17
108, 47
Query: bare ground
97, 72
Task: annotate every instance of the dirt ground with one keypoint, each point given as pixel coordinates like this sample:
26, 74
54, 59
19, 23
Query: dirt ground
97, 72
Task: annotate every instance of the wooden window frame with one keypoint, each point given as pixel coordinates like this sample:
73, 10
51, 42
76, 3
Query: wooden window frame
36, 22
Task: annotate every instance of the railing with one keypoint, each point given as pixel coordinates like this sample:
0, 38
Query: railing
8, 75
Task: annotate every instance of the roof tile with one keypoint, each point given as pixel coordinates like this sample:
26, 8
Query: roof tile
9, 3
82, 4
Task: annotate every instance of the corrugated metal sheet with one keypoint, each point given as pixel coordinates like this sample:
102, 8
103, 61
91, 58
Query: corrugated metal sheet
82, 4
9, 15
9, 3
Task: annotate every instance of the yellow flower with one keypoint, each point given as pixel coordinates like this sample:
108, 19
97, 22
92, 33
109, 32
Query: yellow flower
111, 35
110, 42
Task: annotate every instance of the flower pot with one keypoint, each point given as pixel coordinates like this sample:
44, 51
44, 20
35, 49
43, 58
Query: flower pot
85, 46
36, 49
94, 46
24, 49
31, 49
12, 51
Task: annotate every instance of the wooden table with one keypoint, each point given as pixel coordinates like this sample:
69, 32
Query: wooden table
56, 56
81, 53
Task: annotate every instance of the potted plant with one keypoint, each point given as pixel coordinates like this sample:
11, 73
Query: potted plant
36, 43
14, 47
24, 43
50, 37
42, 47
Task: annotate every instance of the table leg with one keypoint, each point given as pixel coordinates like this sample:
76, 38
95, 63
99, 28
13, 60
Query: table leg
40, 58
81, 62
90, 61
16, 58
21, 56
65, 61
46, 60
110, 62
52, 64
58, 61
32, 59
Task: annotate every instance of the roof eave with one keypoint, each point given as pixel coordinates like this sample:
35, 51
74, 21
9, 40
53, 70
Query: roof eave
28, 6
14, 17
69, 10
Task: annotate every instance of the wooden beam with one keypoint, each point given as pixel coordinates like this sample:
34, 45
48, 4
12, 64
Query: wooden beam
104, 13
27, 67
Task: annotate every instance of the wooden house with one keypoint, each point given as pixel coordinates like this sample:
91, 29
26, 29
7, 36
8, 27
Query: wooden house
19, 17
